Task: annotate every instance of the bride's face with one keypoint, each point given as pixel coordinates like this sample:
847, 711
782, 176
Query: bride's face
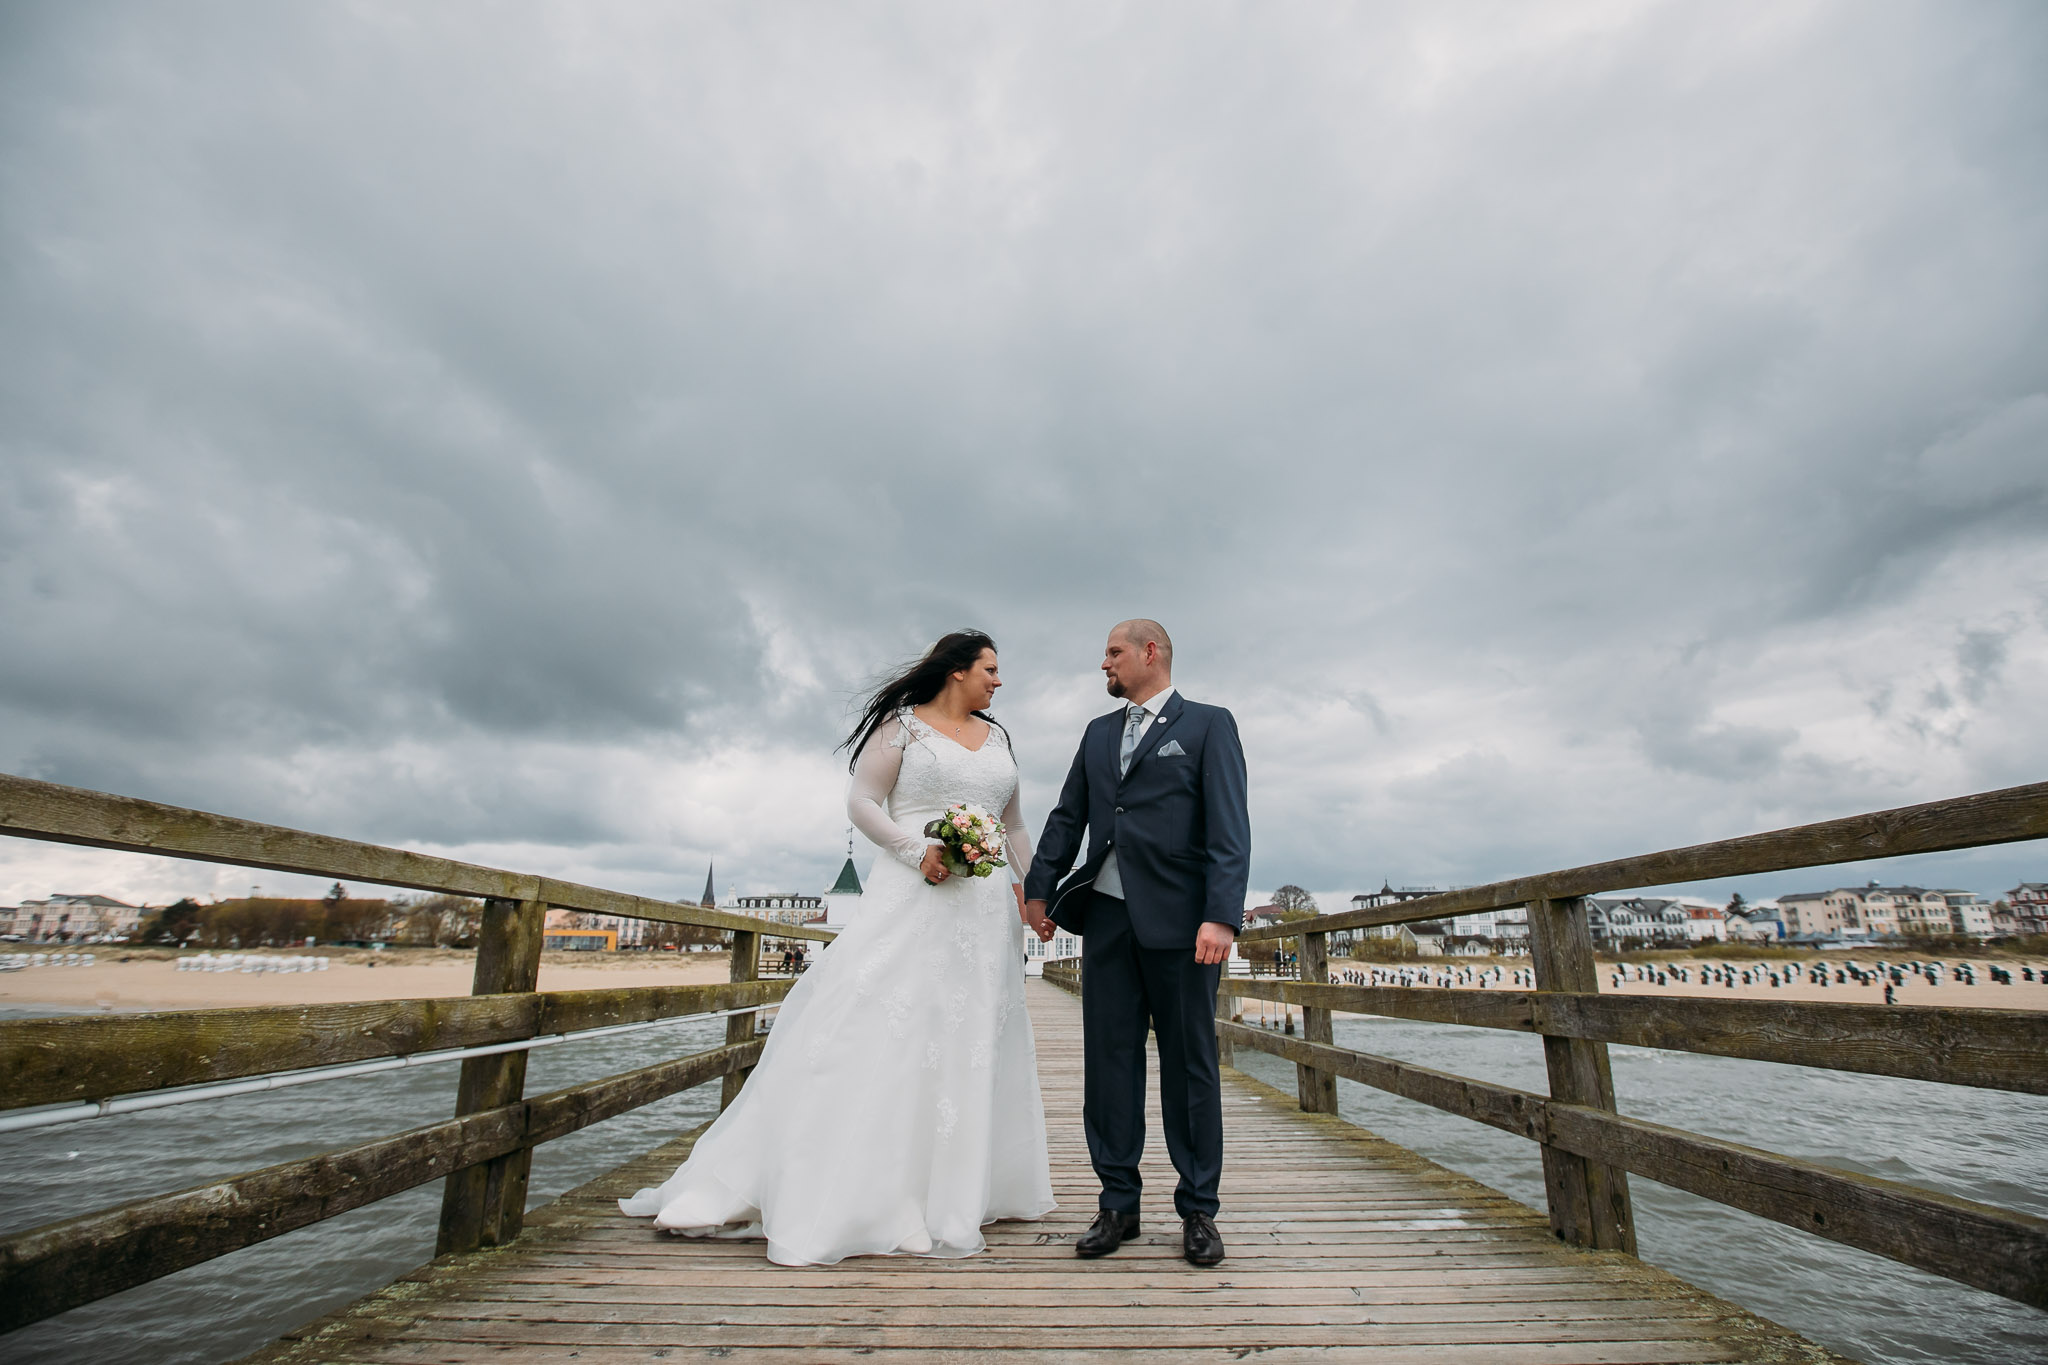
980, 682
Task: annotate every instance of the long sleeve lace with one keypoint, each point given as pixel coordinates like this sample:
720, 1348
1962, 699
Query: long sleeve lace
1014, 832
867, 801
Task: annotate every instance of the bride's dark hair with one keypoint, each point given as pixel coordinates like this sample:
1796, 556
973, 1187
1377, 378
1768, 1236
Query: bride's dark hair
918, 684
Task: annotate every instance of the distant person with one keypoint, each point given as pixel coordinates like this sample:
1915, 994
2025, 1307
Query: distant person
895, 1108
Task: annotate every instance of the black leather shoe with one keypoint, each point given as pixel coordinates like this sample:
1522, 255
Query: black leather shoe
1199, 1240
1107, 1233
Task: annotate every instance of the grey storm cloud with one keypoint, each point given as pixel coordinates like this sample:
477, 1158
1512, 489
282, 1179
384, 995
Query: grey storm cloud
1557, 431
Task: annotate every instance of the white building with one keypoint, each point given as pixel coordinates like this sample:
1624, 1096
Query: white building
1387, 895
1818, 914
782, 907
1873, 911
2027, 904
1508, 926
1037, 954
73, 919
1636, 921
1758, 926
1968, 913
1706, 923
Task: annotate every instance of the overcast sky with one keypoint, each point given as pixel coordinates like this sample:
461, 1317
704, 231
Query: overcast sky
517, 432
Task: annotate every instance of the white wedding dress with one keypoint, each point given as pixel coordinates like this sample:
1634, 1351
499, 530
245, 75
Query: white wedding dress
895, 1108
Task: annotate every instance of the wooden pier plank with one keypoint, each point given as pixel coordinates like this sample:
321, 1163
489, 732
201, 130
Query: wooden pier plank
1343, 1247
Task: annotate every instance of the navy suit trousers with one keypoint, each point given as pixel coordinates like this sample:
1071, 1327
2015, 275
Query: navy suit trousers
1125, 989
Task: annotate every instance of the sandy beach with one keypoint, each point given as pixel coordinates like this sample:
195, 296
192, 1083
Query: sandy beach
153, 982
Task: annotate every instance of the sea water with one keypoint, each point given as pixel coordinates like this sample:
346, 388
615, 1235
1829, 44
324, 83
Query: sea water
228, 1307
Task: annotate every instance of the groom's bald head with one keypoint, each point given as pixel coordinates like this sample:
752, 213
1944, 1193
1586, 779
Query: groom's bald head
1140, 632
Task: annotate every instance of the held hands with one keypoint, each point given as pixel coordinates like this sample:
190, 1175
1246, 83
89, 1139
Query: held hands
1213, 942
1034, 917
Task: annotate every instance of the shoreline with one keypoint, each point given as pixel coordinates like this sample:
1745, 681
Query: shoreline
1916, 992
150, 981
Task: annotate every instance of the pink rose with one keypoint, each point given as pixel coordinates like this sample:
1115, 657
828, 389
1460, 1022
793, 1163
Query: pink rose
973, 854
960, 822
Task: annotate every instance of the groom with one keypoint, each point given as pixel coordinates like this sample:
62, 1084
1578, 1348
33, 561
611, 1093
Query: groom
1159, 787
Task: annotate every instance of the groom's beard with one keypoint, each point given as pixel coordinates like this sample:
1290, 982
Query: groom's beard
1116, 689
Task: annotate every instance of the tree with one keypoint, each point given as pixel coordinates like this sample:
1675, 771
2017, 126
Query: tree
1737, 905
177, 923
353, 919
443, 921
662, 934
1294, 902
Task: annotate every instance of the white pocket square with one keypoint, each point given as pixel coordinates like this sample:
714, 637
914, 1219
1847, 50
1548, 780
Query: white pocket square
1172, 749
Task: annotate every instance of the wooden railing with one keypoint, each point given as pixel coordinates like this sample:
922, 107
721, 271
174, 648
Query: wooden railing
1589, 1150
483, 1153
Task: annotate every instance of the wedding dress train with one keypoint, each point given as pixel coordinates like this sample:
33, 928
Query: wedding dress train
895, 1108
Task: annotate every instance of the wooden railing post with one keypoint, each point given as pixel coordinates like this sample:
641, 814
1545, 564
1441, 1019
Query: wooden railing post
485, 1205
1226, 1008
1318, 1089
740, 1028
1589, 1201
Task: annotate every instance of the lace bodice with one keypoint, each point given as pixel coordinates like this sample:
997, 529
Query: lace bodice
909, 772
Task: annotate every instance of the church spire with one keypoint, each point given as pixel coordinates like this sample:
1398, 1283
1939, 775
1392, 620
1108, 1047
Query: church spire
710, 894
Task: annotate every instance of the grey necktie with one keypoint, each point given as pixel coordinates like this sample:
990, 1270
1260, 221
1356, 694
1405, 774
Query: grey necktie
1133, 723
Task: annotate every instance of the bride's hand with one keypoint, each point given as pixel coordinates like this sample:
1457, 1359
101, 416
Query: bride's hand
934, 868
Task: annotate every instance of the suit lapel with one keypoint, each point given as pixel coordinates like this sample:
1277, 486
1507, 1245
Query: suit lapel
1112, 729
1154, 736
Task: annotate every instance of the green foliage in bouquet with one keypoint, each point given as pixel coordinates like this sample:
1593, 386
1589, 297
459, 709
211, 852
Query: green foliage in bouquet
970, 840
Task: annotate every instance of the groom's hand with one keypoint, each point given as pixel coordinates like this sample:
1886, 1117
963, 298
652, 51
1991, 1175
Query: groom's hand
1034, 916
1212, 943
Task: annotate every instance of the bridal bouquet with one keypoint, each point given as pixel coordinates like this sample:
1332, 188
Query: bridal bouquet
970, 840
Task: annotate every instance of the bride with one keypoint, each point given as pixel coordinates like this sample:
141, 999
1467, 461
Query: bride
895, 1108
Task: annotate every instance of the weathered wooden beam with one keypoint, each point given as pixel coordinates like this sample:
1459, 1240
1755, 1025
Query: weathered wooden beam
1226, 1009
93, 1057
1993, 1249
72, 815
59, 1266
1498, 1106
485, 1204
1480, 1008
1988, 1048
96, 1056
1316, 1088
740, 1028
1589, 1202
1977, 1244
1997, 817
574, 1011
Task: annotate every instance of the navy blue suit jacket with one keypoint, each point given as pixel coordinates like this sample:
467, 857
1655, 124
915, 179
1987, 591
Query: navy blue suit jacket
1177, 820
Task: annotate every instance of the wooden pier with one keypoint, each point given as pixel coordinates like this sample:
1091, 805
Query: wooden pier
1342, 1247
